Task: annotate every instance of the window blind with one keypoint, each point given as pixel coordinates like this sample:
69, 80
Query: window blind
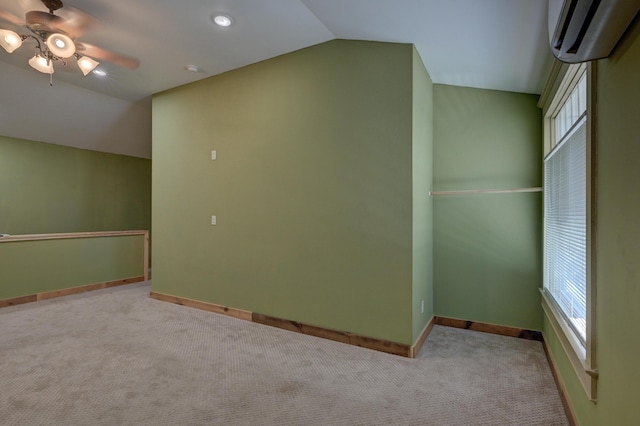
565, 204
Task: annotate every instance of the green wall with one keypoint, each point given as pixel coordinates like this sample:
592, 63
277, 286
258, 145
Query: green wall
618, 246
487, 247
312, 188
47, 188
31, 267
422, 164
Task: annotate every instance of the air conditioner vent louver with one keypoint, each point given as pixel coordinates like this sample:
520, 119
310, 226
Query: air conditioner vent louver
584, 30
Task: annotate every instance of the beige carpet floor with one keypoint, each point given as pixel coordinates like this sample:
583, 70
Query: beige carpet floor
117, 357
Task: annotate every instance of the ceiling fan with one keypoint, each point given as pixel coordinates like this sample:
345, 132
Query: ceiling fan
55, 39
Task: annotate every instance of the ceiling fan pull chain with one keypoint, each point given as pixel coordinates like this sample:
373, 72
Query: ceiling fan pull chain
51, 79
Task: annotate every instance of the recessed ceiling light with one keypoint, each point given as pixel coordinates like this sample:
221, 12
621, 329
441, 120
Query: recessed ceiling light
100, 73
222, 19
192, 68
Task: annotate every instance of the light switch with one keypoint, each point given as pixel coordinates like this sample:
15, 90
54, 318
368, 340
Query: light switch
213, 154
213, 220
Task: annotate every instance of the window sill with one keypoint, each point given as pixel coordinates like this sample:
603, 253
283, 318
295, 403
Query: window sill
577, 355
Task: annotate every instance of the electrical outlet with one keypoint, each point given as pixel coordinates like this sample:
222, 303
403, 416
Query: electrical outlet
422, 307
213, 154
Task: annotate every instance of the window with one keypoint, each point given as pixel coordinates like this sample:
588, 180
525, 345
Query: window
565, 213
568, 288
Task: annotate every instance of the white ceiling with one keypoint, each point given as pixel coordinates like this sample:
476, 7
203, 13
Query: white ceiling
493, 44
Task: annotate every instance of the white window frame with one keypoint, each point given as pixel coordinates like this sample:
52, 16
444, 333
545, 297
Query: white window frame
562, 80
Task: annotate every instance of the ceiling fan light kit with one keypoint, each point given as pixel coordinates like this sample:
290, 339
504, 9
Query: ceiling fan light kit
10, 40
61, 45
42, 64
86, 64
49, 47
54, 37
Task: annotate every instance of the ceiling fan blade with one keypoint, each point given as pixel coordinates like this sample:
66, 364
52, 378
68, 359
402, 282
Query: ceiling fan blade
74, 22
42, 21
107, 55
10, 17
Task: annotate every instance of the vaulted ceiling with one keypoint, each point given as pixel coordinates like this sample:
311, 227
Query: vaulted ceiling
493, 44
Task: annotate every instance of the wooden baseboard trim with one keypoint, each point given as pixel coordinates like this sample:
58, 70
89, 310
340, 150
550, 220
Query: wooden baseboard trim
18, 300
562, 390
335, 335
67, 291
489, 328
204, 306
423, 336
294, 326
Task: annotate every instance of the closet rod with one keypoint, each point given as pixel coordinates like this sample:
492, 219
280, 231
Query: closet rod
485, 191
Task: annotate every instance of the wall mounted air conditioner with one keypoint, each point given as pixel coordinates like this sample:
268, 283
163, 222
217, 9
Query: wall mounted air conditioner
583, 30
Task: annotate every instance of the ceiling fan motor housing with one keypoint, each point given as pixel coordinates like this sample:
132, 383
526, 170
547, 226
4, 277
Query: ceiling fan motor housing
52, 4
